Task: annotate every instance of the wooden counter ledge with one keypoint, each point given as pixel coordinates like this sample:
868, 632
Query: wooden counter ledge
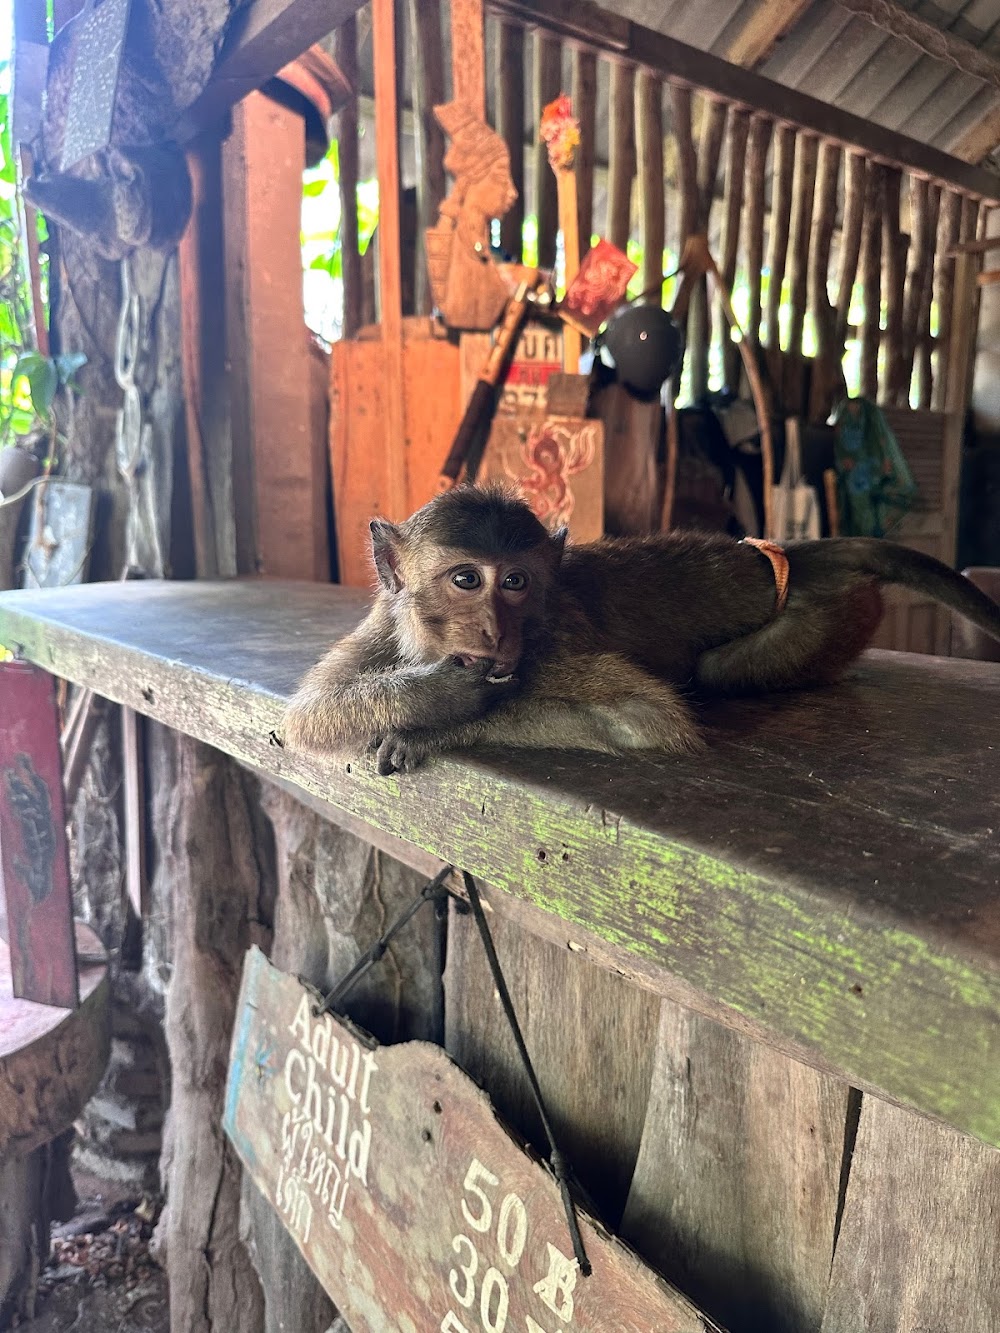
826, 879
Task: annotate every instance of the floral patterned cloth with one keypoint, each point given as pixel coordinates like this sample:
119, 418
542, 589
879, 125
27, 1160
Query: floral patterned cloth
874, 485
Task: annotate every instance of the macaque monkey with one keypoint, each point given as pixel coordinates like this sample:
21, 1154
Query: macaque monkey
488, 630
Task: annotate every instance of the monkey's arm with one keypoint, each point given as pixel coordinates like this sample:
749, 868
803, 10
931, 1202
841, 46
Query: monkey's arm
359, 691
598, 702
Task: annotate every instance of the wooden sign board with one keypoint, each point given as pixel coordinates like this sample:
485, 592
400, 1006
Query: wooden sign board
538, 355
407, 1197
557, 464
34, 864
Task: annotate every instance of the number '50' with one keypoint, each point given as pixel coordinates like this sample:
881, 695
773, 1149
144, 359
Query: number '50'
512, 1221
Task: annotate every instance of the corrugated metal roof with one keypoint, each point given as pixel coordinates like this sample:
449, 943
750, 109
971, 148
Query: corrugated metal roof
848, 61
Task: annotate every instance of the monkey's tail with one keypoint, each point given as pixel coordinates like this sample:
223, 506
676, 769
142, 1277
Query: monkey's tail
890, 562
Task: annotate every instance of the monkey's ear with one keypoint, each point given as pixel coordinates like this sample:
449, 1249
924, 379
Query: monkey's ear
386, 539
558, 542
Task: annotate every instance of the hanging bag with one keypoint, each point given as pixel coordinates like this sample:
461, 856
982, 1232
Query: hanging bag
794, 503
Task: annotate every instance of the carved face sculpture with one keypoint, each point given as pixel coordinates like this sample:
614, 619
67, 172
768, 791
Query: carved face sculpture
479, 160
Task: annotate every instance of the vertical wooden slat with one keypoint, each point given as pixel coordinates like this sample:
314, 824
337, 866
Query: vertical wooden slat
347, 59
429, 141
547, 74
757, 147
924, 344
621, 154
389, 259
949, 227
468, 61
871, 277
585, 109
781, 212
649, 133
850, 240
713, 128
736, 155
894, 246
920, 256
826, 380
961, 355
804, 190
510, 127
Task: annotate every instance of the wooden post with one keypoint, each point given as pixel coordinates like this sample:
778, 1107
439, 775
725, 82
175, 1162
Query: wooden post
827, 372
924, 344
267, 342
511, 127
649, 134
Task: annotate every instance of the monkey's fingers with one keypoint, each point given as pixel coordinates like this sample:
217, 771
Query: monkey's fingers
399, 754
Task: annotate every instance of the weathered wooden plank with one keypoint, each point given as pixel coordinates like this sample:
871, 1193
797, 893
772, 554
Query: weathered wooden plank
736, 1188
347, 139
777, 246
871, 278
917, 1245
468, 61
591, 1039
736, 157
36, 911
882, 968
428, 92
343, 1136
674, 61
894, 248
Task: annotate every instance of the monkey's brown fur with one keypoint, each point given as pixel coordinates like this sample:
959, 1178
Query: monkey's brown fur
592, 651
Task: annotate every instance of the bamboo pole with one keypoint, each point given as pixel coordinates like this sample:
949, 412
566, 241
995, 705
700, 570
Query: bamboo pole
924, 345
826, 382
510, 127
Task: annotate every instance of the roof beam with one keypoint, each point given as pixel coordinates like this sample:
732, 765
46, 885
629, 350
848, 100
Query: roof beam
766, 26
584, 22
979, 140
262, 38
926, 37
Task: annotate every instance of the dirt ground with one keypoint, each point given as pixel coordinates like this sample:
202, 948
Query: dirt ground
100, 1277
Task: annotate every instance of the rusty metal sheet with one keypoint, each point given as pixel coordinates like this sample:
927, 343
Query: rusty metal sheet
34, 865
409, 1199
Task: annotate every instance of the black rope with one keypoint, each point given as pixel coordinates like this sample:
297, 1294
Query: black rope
560, 1166
433, 889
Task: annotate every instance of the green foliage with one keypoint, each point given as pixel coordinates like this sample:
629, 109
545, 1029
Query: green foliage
29, 382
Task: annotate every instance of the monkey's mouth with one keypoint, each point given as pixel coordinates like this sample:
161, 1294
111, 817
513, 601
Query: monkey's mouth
500, 672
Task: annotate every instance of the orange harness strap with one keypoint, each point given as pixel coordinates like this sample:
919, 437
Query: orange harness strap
779, 563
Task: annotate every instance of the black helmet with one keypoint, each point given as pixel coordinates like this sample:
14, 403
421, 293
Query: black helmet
645, 345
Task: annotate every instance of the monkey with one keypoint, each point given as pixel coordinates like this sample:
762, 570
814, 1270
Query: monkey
486, 629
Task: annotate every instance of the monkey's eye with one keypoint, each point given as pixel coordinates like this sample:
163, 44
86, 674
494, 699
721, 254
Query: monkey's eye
466, 579
516, 582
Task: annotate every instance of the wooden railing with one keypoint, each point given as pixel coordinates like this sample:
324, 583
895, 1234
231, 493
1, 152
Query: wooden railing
836, 229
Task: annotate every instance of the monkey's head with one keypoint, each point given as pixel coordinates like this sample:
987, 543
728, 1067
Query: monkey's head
468, 577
